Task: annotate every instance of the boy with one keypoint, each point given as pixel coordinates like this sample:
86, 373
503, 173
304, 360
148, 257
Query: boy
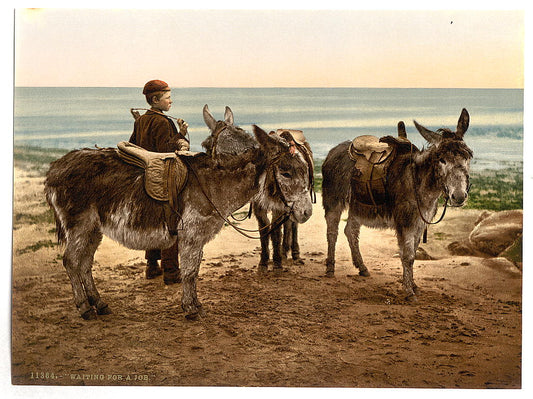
154, 131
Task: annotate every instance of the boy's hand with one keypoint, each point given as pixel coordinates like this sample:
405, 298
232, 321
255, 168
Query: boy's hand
136, 115
183, 126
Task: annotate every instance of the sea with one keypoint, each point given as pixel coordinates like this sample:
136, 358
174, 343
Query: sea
77, 117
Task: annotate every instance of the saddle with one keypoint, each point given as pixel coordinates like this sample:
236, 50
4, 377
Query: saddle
297, 135
165, 175
372, 157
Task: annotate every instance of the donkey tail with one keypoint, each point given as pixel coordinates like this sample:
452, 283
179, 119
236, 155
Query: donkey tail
60, 231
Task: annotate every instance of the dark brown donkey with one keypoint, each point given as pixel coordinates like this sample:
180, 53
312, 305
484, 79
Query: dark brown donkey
413, 184
277, 224
93, 192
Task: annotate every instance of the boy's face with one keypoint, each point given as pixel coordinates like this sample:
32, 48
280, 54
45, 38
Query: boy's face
164, 103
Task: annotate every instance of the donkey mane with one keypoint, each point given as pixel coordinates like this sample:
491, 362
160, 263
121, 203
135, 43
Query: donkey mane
234, 142
233, 148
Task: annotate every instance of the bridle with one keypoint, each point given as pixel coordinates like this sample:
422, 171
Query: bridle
417, 198
219, 128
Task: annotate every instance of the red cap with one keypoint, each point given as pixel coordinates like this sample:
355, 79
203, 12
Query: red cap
155, 85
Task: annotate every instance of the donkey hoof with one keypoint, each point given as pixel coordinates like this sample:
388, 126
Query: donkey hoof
192, 315
103, 310
277, 271
150, 274
330, 273
89, 314
411, 298
170, 278
298, 261
364, 273
261, 268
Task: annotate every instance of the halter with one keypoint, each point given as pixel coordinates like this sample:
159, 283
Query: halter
417, 197
220, 126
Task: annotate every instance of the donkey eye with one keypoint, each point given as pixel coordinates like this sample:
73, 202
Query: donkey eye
442, 161
286, 175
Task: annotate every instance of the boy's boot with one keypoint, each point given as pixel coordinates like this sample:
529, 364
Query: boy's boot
170, 265
152, 267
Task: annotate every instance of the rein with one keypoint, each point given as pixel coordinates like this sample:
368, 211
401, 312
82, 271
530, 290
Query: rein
269, 228
417, 197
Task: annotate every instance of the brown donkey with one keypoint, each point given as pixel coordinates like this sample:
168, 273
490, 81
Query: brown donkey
413, 184
93, 192
278, 226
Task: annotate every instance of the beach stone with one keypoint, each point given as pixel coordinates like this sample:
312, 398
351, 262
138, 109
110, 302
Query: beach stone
421, 254
503, 265
496, 232
459, 248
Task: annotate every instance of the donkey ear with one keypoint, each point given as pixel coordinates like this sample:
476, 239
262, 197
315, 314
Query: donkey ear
462, 125
208, 118
228, 116
265, 140
430, 136
260, 135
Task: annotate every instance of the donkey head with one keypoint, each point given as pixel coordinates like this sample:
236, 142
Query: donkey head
450, 159
285, 183
226, 139
283, 175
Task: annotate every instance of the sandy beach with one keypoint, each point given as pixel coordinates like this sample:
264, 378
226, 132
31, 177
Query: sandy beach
299, 329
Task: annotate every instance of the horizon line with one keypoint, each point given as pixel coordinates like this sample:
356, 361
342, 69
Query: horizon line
279, 87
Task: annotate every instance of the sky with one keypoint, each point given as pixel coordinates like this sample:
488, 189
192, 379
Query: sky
269, 48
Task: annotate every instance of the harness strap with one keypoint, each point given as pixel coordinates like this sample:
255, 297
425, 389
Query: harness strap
274, 225
417, 197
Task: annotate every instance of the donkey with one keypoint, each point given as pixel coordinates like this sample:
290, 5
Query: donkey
93, 192
278, 223
415, 180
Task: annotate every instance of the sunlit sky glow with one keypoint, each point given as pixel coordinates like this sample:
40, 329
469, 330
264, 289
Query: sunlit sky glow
269, 48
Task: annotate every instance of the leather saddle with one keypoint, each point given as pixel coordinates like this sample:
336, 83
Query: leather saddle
373, 156
165, 175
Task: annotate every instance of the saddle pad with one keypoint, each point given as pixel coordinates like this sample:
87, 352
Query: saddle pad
371, 148
165, 174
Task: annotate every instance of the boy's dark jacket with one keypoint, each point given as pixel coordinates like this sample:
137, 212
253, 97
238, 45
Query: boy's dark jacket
155, 132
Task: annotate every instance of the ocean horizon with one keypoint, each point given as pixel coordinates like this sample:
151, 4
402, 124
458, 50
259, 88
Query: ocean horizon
76, 117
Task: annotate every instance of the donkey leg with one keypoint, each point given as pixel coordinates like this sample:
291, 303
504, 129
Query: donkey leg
295, 247
333, 217
93, 296
352, 230
81, 301
72, 261
275, 236
408, 241
287, 239
263, 222
191, 256
83, 239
